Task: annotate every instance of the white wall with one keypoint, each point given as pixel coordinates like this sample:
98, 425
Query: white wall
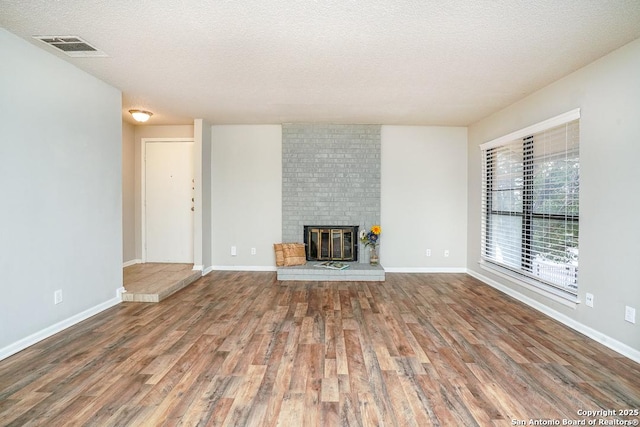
60, 181
246, 193
202, 218
128, 193
608, 94
423, 198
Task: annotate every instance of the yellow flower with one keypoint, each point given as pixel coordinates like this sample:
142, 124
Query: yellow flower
376, 229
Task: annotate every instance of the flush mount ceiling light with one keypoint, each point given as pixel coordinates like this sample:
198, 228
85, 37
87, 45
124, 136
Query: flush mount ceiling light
140, 115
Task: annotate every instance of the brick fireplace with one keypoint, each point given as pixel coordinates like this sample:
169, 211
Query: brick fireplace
330, 175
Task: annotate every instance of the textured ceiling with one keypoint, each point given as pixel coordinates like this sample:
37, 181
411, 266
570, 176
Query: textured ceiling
341, 61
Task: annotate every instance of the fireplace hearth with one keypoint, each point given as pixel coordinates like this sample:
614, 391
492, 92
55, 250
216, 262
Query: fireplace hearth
331, 243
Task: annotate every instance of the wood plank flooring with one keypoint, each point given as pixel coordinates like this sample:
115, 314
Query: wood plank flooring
243, 349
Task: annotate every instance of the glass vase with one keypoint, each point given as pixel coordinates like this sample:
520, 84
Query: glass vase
373, 255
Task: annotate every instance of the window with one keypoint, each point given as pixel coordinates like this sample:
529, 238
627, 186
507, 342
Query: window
530, 212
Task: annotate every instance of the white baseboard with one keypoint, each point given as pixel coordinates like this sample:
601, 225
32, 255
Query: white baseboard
386, 269
595, 335
202, 269
131, 262
244, 268
425, 269
32, 339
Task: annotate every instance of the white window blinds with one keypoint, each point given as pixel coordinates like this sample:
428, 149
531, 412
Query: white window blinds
530, 203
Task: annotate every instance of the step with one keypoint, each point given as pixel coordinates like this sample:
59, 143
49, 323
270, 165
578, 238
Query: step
164, 285
357, 272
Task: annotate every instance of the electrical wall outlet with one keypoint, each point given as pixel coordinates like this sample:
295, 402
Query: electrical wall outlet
428, 252
253, 251
57, 296
234, 251
630, 314
588, 299
446, 253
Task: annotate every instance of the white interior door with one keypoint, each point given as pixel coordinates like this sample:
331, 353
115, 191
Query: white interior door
169, 174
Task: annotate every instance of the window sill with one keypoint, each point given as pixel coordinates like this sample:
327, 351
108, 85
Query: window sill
557, 295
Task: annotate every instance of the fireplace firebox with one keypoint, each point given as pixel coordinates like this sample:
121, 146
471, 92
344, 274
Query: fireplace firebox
331, 243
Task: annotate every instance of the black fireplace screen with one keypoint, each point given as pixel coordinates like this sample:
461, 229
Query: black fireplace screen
331, 243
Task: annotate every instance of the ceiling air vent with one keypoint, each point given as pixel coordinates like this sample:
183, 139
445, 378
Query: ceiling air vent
71, 45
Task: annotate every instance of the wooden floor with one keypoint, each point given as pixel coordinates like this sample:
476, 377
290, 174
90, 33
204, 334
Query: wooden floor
240, 348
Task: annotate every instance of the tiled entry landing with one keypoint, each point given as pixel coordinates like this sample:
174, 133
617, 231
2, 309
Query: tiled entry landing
357, 272
153, 282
